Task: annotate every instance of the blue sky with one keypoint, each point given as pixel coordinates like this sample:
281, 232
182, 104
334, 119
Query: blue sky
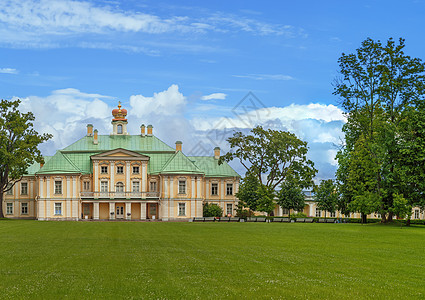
184, 65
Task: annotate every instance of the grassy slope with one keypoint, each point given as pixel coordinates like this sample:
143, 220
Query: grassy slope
195, 260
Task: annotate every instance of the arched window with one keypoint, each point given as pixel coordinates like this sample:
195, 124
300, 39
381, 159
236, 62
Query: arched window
119, 129
119, 187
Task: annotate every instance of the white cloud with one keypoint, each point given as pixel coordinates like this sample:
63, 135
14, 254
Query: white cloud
218, 96
265, 76
8, 71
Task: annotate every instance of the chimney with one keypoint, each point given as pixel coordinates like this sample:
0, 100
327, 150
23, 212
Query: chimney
150, 128
95, 137
142, 130
89, 129
179, 146
217, 152
41, 165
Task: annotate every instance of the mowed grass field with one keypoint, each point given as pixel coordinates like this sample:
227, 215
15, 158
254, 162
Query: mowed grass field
56, 260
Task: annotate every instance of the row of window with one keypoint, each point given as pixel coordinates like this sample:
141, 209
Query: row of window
119, 187
24, 189
214, 188
24, 208
119, 169
182, 209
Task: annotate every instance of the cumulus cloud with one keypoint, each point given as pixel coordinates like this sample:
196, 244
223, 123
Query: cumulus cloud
8, 71
214, 96
66, 112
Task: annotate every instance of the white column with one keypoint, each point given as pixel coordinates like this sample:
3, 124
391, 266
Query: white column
192, 186
143, 211
198, 188
236, 188
68, 207
75, 211
164, 210
207, 189
48, 187
31, 183
171, 202
96, 176
74, 187
127, 176
40, 187
192, 208
47, 203
166, 194
96, 210
199, 208
111, 209
68, 188
171, 187
311, 210
112, 173
144, 175
41, 209
222, 189
280, 211
128, 210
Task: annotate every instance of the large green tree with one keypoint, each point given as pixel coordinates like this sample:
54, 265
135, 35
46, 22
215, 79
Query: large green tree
378, 84
326, 196
18, 145
248, 192
291, 196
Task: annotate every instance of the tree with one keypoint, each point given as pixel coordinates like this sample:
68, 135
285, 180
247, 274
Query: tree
247, 194
272, 157
378, 84
290, 197
401, 208
18, 145
326, 196
212, 210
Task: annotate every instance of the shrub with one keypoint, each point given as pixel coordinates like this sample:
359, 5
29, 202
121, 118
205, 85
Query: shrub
244, 213
212, 210
298, 215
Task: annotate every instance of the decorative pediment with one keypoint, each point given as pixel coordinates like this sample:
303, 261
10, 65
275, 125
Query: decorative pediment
120, 154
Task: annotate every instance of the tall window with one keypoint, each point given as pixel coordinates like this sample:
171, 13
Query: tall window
229, 209
153, 186
332, 214
136, 170
119, 129
119, 187
182, 209
104, 169
58, 187
24, 188
136, 186
416, 214
318, 213
10, 191
9, 208
24, 208
214, 189
86, 186
58, 209
229, 189
182, 187
104, 186
120, 170
285, 211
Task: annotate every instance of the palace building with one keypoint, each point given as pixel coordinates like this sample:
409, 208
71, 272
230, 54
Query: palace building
122, 176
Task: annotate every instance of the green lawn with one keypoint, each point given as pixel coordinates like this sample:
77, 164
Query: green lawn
210, 260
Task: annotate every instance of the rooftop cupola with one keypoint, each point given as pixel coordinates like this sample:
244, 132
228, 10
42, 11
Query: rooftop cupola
119, 122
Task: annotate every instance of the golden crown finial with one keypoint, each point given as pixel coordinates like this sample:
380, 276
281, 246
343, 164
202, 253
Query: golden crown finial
119, 105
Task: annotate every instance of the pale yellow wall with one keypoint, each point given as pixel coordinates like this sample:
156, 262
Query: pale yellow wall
135, 211
103, 211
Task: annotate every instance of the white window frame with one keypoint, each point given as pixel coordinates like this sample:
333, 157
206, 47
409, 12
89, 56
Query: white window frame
103, 169
229, 186
120, 169
119, 187
182, 187
103, 186
24, 208
229, 206
136, 171
10, 192
416, 214
119, 129
136, 186
24, 188
9, 208
86, 186
58, 209
332, 214
152, 186
214, 186
58, 187
318, 213
182, 209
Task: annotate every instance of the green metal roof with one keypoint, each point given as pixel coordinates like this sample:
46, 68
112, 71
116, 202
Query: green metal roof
209, 165
157, 161
129, 142
31, 170
59, 163
180, 164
